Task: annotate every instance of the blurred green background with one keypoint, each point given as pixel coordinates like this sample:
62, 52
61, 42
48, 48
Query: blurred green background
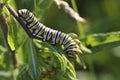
101, 16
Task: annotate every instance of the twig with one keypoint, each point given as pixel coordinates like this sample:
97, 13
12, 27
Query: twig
15, 15
4, 28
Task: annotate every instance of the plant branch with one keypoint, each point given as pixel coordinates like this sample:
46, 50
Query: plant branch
15, 15
4, 28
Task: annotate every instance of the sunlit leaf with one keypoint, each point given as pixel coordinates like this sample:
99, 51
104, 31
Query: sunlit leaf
102, 41
11, 42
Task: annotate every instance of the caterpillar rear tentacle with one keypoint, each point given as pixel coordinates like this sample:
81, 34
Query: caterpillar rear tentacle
48, 34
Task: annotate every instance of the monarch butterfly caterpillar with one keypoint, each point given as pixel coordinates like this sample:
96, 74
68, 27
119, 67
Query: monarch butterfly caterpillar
56, 37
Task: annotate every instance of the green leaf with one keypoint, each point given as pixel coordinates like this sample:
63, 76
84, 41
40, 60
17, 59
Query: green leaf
24, 73
12, 34
11, 43
41, 7
105, 46
101, 41
55, 50
62, 61
64, 66
30, 69
33, 63
70, 68
2, 49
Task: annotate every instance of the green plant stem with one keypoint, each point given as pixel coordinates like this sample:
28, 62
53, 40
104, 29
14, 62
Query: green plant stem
4, 28
15, 15
79, 25
35, 7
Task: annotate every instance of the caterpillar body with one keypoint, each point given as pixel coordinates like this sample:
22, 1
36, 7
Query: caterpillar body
56, 37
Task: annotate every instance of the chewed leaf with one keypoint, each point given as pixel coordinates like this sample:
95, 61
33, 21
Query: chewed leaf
102, 41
